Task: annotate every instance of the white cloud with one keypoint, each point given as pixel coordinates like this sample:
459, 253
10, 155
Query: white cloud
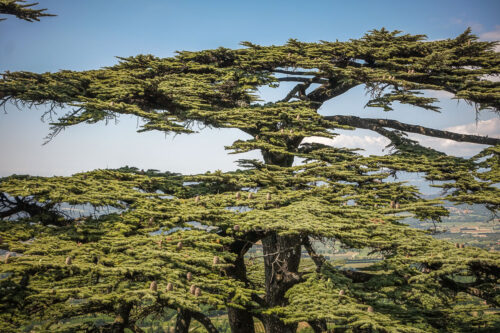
372, 144
491, 35
489, 127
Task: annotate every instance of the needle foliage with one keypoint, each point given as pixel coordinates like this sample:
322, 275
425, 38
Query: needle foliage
156, 243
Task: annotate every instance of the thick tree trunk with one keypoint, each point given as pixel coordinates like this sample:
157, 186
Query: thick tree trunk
183, 321
278, 159
281, 259
318, 326
241, 321
122, 319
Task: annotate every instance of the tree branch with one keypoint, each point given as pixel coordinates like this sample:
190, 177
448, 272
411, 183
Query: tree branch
183, 321
469, 288
374, 124
301, 87
205, 321
302, 79
22, 10
318, 259
259, 300
283, 71
46, 212
329, 91
135, 328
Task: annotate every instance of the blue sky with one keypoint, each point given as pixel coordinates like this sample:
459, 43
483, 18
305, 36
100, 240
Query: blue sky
89, 34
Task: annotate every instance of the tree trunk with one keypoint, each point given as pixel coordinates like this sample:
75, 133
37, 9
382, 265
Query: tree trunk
318, 326
183, 321
121, 319
281, 259
241, 321
278, 159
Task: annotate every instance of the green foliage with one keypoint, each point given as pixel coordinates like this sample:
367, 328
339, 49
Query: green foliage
22, 10
147, 240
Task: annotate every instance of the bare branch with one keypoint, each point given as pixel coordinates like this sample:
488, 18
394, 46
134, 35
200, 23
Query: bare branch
318, 259
282, 71
375, 124
329, 91
302, 79
301, 87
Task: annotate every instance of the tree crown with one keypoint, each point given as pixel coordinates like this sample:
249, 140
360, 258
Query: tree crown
178, 242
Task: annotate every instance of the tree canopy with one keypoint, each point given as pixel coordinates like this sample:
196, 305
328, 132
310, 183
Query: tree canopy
163, 244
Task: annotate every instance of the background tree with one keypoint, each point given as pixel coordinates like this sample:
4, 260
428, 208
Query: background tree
161, 242
22, 10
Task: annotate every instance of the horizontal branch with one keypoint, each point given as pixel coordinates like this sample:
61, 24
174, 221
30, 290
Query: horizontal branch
205, 321
283, 71
374, 124
302, 79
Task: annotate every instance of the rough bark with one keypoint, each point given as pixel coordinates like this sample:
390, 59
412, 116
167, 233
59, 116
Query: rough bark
374, 124
281, 259
241, 320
